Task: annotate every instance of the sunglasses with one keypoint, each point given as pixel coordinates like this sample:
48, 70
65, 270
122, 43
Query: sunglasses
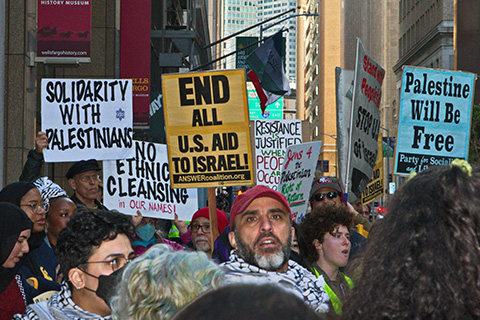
320, 196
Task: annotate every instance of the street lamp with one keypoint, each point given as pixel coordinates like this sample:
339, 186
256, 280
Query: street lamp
336, 156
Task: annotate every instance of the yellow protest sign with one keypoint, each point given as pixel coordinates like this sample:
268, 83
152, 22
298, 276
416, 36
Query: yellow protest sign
208, 137
375, 187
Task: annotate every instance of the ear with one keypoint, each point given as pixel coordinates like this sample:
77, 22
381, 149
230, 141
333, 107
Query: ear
293, 233
231, 238
76, 277
317, 244
72, 184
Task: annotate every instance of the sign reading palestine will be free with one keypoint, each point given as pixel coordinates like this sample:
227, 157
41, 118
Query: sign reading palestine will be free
208, 137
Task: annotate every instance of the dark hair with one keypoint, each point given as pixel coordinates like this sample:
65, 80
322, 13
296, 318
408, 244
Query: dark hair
422, 260
322, 220
86, 231
248, 301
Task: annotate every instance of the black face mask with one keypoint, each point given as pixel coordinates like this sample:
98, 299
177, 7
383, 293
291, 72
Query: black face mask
107, 285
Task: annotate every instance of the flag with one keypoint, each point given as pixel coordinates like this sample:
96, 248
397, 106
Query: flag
267, 74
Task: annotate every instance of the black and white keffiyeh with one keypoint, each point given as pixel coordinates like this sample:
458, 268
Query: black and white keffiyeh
59, 307
49, 189
296, 279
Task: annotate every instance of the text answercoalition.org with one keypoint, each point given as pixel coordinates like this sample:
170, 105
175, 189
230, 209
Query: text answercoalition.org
217, 177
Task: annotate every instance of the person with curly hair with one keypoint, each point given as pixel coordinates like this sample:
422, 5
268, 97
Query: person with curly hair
162, 281
422, 261
326, 234
93, 244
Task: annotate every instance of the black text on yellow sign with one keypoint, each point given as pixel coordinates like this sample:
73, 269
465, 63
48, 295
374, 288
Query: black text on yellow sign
206, 117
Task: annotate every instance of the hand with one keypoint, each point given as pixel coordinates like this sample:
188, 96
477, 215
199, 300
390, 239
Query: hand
351, 209
137, 219
41, 141
181, 225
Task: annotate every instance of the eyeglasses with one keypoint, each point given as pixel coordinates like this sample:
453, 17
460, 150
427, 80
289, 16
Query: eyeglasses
116, 263
330, 195
88, 178
196, 227
37, 207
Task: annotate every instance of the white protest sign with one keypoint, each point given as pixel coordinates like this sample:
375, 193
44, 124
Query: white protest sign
143, 183
272, 138
87, 118
297, 175
364, 123
435, 116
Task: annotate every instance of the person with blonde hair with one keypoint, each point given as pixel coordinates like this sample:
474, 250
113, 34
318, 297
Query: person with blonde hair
162, 281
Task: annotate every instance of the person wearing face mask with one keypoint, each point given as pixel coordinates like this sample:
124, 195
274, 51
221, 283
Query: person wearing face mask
15, 229
93, 244
146, 235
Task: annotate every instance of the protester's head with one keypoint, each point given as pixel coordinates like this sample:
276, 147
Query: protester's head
248, 301
200, 228
422, 258
326, 232
325, 191
162, 281
93, 243
83, 179
60, 207
28, 198
15, 229
260, 219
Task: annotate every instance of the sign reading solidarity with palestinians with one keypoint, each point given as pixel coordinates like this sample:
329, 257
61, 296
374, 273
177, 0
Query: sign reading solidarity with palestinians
272, 138
208, 137
297, 175
365, 122
375, 187
434, 121
143, 183
87, 118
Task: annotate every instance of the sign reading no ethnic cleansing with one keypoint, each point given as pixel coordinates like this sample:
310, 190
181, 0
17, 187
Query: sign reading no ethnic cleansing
87, 118
434, 121
142, 183
208, 137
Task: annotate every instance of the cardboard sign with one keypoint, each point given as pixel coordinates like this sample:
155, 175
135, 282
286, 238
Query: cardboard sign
87, 118
297, 175
143, 183
364, 123
272, 138
434, 121
375, 187
208, 137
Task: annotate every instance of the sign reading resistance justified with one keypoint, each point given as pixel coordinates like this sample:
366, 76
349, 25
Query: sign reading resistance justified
206, 120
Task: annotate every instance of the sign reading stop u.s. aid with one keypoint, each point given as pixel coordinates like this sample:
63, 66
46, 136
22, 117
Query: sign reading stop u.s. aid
87, 119
208, 137
143, 183
435, 116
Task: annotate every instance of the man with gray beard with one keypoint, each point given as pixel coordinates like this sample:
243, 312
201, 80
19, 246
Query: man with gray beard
260, 220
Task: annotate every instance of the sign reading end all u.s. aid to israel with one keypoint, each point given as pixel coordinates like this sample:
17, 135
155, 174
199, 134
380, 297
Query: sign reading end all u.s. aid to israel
207, 126
434, 120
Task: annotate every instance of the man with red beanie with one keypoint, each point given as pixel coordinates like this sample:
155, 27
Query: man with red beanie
260, 220
199, 230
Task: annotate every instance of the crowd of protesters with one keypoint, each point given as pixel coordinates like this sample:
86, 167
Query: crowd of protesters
67, 257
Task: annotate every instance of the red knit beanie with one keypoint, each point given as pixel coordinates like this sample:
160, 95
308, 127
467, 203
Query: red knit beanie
243, 200
222, 220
